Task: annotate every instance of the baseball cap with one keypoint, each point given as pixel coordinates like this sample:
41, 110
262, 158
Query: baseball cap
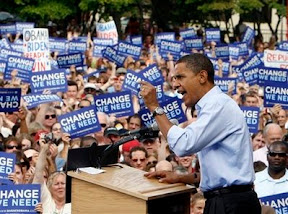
129, 145
90, 85
38, 133
111, 130
121, 71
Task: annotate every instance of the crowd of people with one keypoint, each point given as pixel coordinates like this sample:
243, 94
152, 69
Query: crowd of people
42, 160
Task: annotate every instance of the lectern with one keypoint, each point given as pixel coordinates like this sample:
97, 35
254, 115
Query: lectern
124, 190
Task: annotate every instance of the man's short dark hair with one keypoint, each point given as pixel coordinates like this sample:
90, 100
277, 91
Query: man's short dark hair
134, 116
197, 62
138, 148
71, 83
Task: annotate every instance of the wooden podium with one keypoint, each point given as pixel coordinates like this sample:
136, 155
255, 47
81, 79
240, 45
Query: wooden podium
124, 190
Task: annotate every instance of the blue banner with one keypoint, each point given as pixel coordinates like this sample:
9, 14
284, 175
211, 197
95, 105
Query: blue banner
172, 47
225, 64
278, 202
37, 99
17, 47
74, 46
248, 36
213, 35
251, 75
193, 43
10, 99
279, 75
276, 93
119, 103
58, 44
7, 164
2, 66
7, 28
20, 199
66, 60
244, 51
222, 51
251, 62
153, 74
283, 46
187, 33
225, 82
23, 25
172, 109
111, 54
136, 40
251, 115
4, 53
81, 122
234, 51
131, 82
54, 80
100, 44
127, 49
23, 66
170, 36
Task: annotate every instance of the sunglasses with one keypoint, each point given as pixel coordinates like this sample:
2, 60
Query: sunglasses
50, 116
103, 125
12, 147
141, 160
274, 154
152, 162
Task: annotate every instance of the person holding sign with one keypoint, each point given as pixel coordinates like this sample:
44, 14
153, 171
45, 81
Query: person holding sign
220, 136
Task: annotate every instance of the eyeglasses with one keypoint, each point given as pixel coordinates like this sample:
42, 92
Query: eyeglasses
141, 160
52, 116
103, 125
152, 162
12, 147
274, 154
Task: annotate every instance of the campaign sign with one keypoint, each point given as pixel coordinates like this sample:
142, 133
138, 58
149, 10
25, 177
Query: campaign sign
224, 83
153, 74
136, 40
107, 30
243, 48
170, 36
131, 81
224, 64
193, 43
5, 52
127, 49
251, 115
17, 47
251, 75
54, 80
111, 54
77, 46
7, 28
251, 62
272, 75
37, 99
4, 43
278, 202
10, 99
212, 35
7, 164
283, 46
276, 93
58, 44
99, 45
81, 122
36, 46
66, 60
222, 51
119, 103
2, 66
20, 26
187, 33
23, 66
20, 199
234, 52
237, 69
172, 108
172, 47
248, 35
276, 59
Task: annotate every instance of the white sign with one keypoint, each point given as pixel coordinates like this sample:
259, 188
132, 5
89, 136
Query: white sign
107, 30
276, 59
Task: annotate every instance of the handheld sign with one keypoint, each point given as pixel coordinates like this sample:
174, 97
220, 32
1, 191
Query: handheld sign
283, 46
193, 43
37, 99
2, 66
224, 83
187, 33
119, 103
99, 45
222, 51
170, 36
107, 30
251, 115
20, 199
20, 26
10, 99
58, 44
251, 75
77, 46
212, 35
136, 40
276, 59
66, 60
81, 122
110, 54
276, 93
127, 49
7, 28
7, 164
153, 74
248, 35
272, 74
278, 202
4, 53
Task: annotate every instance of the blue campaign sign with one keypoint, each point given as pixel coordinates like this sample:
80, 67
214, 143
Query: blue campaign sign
7, 164
170, 36
172, 108
128, 49
251, 115
276, 93
5, 43
20, 199
212, 35
278, 202
17, 47
244, 51
153, 74
248, 35
7, 28
110, 54
221, 62
23, 25
75, 46
100, 44
222, 51
237, 69
188, 33
234, 52
66, 60
136, 40
193, 43
4, 53
54, 80
10, 99
119, 103
2, 66
251, 75
81, 122
172, 47
224, 83
131, 82
58, 44
272, 74
283, 46
23, 66
37, 99
251, 62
